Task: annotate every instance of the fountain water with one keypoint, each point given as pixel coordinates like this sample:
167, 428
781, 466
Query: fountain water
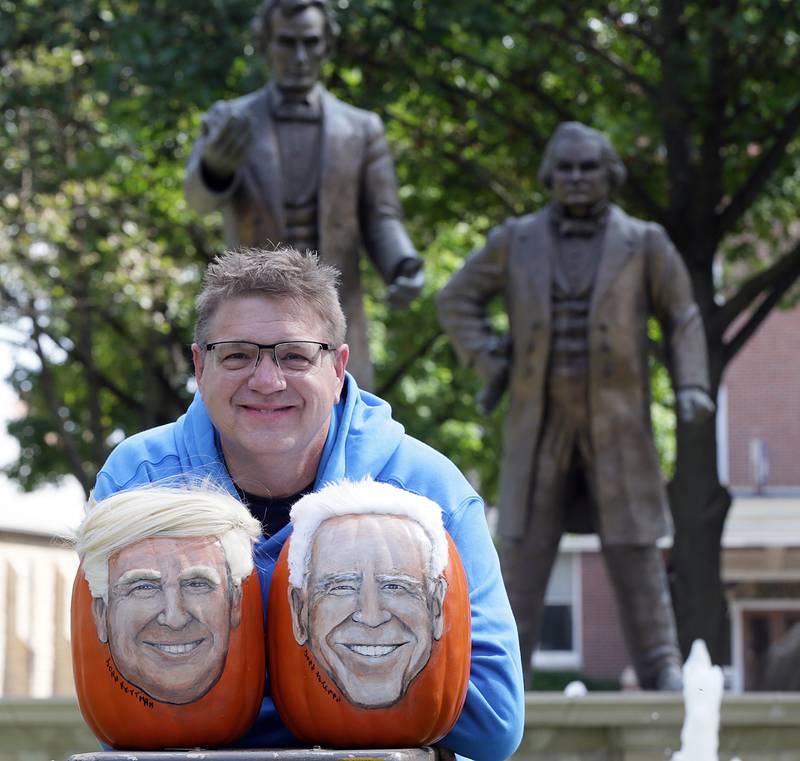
702, 696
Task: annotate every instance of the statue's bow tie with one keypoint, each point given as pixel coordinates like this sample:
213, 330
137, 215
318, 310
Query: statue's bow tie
296, 111
584, 228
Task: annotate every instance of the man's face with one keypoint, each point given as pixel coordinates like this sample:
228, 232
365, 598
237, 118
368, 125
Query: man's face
169, 615
296, 49
580, 177
368, 612
262, 415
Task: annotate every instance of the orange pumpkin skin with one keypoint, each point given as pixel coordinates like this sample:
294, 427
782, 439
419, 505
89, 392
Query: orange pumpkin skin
125, 717
315, 710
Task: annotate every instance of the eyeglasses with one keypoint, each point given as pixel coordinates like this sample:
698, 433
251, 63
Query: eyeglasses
291, 357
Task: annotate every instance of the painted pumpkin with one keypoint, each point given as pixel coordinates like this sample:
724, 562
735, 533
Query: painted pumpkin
402, 681
125, 716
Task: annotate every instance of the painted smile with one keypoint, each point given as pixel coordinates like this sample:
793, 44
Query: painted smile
183, 648
373, 651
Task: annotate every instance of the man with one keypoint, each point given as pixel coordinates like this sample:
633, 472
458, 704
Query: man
367, 587
165, 568
292, 164
277, 416
580, 278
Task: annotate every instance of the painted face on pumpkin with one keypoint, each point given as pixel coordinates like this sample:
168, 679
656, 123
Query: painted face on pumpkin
170, 611
368, 609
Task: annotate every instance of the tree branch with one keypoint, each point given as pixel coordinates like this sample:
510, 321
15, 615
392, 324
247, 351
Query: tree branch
780, 286
399, 371
457, 158
785, 270
763, 170
636, 191
524, 86
674, 111
85, 337
48, 387
633, 31
718, 97
589, 47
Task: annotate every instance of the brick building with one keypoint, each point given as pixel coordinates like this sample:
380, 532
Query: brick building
760, 410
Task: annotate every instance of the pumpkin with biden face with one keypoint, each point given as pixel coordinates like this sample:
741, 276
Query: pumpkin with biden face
368, 620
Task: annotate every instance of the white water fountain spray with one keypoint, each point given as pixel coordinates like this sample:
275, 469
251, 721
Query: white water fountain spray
702, 697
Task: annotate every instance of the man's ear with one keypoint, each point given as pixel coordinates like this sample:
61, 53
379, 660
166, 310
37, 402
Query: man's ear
198, 362
236, 605
297, 603
437, 605
340, 364
99, 616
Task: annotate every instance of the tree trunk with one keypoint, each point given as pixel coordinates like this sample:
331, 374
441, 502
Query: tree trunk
699, 506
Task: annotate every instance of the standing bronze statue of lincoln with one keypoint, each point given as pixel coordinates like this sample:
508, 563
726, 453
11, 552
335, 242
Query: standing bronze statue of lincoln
580, 278
292, 164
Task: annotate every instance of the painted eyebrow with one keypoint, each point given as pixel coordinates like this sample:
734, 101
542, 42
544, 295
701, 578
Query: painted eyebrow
202, 572
398, 577
138, 574
334, 578
414, 584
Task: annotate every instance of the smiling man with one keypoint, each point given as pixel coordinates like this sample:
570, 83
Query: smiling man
276, 417
367, 588
165, 567
290, 163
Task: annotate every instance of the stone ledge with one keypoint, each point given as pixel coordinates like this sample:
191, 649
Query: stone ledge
646, 727
597, 727
624, 708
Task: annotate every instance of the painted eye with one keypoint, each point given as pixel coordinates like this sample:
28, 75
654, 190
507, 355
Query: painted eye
342, 589
144, 589
198, 585
396, 587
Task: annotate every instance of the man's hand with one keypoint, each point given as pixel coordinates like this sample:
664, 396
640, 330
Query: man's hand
228, 135
694, 405
406, 285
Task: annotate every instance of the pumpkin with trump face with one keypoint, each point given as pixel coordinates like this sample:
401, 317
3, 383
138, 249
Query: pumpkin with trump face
370, 648
166, 665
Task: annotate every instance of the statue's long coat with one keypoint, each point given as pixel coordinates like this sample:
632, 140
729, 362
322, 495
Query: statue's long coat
640, 273
357, 203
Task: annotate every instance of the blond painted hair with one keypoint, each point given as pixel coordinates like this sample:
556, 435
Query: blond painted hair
165, 511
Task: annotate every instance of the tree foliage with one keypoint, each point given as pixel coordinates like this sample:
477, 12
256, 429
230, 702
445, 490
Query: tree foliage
100, 257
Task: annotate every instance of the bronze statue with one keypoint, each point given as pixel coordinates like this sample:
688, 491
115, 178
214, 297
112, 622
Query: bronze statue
580, 278
292, 164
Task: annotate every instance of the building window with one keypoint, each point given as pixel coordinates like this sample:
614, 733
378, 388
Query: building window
766, 638
558, 639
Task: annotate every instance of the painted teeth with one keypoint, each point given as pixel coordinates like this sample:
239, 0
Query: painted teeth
181, 649
373, 651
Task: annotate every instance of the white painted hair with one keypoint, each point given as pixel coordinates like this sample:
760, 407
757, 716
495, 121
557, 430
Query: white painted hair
364, 497
165, 511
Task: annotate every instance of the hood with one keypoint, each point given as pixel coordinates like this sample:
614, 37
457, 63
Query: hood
362, 437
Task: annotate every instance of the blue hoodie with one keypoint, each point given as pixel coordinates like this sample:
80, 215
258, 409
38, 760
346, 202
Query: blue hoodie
365, 440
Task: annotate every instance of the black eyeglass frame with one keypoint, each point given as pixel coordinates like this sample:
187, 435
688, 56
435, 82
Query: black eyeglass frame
261, 347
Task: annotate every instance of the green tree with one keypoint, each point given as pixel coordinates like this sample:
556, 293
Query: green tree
701, 100
100, 258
